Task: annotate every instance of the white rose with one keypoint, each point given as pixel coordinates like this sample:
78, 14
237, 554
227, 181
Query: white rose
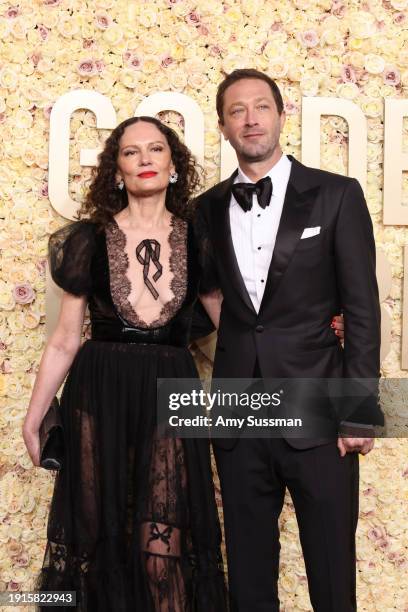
374, 64
362, 24
348, 90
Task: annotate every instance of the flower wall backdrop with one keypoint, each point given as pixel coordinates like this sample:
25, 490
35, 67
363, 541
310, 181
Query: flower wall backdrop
126, 50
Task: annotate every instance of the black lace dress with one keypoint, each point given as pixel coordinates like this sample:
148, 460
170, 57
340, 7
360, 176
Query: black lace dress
133, 525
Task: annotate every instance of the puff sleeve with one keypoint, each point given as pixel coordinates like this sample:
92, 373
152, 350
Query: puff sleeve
70, 252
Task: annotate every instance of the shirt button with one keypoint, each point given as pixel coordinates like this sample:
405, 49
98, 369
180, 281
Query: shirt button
258, 215
262, 280
259, 329
259, 248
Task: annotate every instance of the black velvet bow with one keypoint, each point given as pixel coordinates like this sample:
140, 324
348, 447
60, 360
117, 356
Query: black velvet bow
243, 193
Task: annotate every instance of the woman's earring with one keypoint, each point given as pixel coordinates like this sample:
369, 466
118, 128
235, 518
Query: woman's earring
173, 178
120, 185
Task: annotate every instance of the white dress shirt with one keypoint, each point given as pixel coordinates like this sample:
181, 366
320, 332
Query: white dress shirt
254, 232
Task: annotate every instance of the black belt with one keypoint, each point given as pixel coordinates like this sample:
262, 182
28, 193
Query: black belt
116, 332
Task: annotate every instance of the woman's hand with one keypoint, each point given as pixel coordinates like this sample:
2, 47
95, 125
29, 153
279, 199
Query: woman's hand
337, 325
32, 442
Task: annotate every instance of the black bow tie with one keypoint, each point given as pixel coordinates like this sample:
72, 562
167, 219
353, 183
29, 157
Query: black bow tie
243, 193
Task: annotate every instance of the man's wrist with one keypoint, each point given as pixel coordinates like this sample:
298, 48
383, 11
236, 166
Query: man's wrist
355, 430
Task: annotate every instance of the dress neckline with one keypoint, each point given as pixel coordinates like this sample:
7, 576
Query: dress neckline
121, 286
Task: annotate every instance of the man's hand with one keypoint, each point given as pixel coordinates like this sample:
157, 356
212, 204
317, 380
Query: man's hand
338, 325
355, 445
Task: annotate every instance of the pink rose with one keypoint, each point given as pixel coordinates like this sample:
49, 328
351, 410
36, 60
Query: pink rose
23, 293
132, 60
215, 51
23, 560
35, 57
87, 68
87, 43
391, 76
44, 190
43, 31
338, 8
276, 26
397, 558
193, 18
12, 12
41, 265
203, 30
291, 108
103, 21
166, 61
399, 18
2, 117
348, 74
377, 534
5, 366
308, 38
47, 111
100, 66
51, 2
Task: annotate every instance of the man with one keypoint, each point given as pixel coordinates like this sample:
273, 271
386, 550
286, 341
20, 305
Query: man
287, 252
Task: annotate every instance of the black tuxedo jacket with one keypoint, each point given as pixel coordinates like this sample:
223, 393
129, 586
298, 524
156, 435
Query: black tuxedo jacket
309, 281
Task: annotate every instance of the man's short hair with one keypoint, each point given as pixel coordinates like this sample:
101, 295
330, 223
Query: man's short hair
238, 75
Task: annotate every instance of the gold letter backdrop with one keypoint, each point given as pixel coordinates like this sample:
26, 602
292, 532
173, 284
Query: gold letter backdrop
127, 50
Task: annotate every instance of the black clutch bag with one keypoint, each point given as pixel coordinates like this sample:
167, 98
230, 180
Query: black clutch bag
51, 438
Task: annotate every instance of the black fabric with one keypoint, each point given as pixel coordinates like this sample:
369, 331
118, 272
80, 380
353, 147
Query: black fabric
243, 193
70, 251
133, 522
324, 488
309, 281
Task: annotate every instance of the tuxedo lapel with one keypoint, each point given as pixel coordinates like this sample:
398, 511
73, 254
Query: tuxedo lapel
299, 199
223, 240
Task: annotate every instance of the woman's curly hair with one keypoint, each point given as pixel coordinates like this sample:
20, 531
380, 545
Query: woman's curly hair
104, 199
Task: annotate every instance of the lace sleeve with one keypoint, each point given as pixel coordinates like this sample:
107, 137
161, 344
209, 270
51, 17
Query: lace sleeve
70, 251
206, 255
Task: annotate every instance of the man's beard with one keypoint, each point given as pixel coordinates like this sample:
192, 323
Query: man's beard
263, 153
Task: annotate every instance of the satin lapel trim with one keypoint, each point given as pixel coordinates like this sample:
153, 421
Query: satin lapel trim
225, 247
295, 214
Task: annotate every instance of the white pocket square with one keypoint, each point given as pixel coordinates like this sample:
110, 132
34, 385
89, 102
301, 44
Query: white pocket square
308, 232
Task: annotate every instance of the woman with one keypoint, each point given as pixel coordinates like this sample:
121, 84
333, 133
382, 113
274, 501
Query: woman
133, 523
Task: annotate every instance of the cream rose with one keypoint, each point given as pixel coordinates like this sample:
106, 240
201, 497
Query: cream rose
374, 64
5, 28
348, 90
67, 26
147, 18
7, 301
233, 15
113, 35
129, 78
9, 78
362, 24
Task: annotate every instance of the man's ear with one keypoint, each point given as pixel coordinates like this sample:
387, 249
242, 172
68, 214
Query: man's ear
222, 129
282, 120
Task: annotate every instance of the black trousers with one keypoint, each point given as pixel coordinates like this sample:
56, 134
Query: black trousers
254, 475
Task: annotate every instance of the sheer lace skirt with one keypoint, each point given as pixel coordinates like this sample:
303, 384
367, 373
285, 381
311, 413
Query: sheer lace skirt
133, 523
